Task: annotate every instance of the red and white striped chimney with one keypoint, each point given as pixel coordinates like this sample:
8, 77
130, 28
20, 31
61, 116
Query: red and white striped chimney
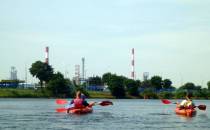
47, 55
132, 65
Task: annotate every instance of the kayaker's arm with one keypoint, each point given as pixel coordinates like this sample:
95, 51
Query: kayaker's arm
72, 101
85, 103
187, 98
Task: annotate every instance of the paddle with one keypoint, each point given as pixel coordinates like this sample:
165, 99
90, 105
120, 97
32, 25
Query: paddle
165, 101
61, 110
102, 103
61, 101
64, 101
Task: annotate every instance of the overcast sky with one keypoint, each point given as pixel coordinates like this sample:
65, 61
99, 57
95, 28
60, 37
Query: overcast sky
171, 37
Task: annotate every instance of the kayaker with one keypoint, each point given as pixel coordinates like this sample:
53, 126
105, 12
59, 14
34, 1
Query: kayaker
187, 103
78, 102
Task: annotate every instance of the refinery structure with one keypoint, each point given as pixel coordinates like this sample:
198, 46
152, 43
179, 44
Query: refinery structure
133, 74
47, 55
79, 77
79, 74
13, 73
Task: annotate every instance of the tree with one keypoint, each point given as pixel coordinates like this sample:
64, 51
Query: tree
138, 82
188, 86
132, 87
146, 84
156, 82
116, 86
166, 95
106, 78
95, 81
167, 83
149, 93
208, 84
201, 94
59, 86
198, 88
180, 94
42, 71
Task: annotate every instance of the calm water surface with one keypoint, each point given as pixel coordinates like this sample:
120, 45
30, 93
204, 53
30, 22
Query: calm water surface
125, 114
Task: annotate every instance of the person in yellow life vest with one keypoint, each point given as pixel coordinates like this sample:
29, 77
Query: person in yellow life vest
187, 103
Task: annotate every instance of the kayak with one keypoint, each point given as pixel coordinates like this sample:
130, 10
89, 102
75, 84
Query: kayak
185, 112
85, 110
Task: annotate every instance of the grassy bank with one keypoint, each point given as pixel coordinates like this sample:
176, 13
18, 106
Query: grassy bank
31, 93
94, 94
23, 93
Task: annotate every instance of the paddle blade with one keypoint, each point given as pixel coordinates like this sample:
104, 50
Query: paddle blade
61, 110
105, 103
61, 101
165, 101
202, 107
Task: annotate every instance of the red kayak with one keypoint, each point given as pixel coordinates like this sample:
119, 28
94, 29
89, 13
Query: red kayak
185, 112
81, 110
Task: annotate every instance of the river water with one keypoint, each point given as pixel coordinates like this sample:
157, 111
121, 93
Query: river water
125, 114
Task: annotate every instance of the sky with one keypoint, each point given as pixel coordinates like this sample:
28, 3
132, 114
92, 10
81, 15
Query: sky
171, 37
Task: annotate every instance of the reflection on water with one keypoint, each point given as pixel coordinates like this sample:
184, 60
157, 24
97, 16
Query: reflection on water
159, 114
39, 114
204, 116
186, 118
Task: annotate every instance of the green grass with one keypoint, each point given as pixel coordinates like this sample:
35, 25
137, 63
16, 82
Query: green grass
31, 93
94, 94
107, 95
22, 93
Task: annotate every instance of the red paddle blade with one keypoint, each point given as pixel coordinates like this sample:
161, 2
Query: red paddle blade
165, 101
61, 110
61, 101
202, 107
105, 103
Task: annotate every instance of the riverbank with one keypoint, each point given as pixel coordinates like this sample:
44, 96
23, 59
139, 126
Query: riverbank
104, 95
23, 93
31, 93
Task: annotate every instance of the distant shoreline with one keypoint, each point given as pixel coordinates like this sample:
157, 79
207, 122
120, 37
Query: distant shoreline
31, 93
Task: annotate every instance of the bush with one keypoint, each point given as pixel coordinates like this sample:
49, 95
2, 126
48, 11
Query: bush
165, 95
149, 94
59, 86
180, 94
23, 93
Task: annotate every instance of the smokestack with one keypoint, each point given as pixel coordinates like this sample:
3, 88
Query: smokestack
83, 68
132, 65
77, 74
47, 55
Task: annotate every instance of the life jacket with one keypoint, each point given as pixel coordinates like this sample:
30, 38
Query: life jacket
183, 103
78, 103
188, 104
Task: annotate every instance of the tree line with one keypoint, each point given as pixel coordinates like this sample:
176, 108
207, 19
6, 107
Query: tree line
119, 86
155, 87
